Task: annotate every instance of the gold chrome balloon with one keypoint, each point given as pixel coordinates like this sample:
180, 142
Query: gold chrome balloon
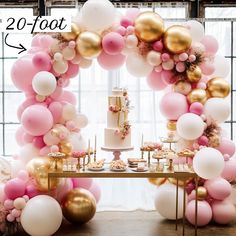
201, 193
218, 87
65, 148
197, 95
194, 74
171, 125
78, 206
180, 182
149, 27
75, 31
183, 87
89, 44
38, 169
177, 39
157, 181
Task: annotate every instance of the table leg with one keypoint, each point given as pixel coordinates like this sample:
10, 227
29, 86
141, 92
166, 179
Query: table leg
49, 187
196, 206
116, 155
149, 158
184, 207
177, 204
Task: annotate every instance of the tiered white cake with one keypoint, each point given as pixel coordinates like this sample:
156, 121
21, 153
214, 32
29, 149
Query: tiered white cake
117, 135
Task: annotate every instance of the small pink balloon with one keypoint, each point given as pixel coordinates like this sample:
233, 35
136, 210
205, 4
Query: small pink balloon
19, 136
46, 41
38, 142
42, 61
57, 93
63, 189
155, 81
130, 29
23, 175
113, 43
26, 197
125, 22
31, 191
72, 44
201, 85
204, 213
28, 138
82, 183
15, 188
218, 188
44, 151
110, 62
54, 148
192, 58
168, 77
121, 30
68, 96
192, 196
196, 108
8, 204
37, 120
180, 67
210, 43
226, 147
16, 213
207, 68
203, 141
132, 13
56, 109
223, 212
10, 218
165, 56
229, 172
96, 191
72, 71
173, 105
183, 56
36, 40
157, 46
158, 68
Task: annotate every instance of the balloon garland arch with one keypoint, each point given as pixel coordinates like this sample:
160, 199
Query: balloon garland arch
180, 57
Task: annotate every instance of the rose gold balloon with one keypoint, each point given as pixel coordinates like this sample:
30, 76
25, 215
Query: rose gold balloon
201, 193
89, 44
194, 74
157, 181
75, 31
149, 27
197, 95
183, 87
78, 206
177, 39
171, 125
218, 87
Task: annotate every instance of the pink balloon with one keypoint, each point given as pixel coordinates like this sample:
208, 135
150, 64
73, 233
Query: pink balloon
42, 61
44, 151
23, 175
21, 79
36, 40
210, 43
121, 30
218, 188
63, 189
158, 46
207, 68
37, 120
16, 213
168, 77
15, 188
28, 102
38, 142
57, 93
10, 218
113, 43
125, 22
110, 62
223, 212
68, 96
82, 183
155, 81
173, 105
2, 193
72, 71
196, 108
132, 13
28, 138
201, 85
229, 172
8, 204
226, 147
203, 141
31, 191
204, 213
46, 41
96, 191
56, 109
19, 136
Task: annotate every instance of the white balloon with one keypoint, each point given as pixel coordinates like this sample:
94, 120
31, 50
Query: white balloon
190, 126
44, 83
81, 121
28, 152
137, 65
208, 163
42, 216
222, 66
154, 58
98, 15
68, 112
196, 30
165, 201
78, 142
60, 66
131, 41
217, 109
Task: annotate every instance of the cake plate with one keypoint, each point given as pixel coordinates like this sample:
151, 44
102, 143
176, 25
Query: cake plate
117, 151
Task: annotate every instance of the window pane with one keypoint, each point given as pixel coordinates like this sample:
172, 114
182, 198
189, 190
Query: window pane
10, 141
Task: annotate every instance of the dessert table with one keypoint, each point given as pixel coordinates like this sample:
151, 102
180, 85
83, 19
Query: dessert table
180, 174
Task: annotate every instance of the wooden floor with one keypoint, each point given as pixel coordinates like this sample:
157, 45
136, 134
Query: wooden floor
137, 224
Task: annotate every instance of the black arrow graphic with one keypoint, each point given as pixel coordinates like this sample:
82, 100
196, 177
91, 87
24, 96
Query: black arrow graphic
21, 47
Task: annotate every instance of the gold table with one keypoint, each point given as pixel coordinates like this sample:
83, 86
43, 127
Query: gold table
179, 176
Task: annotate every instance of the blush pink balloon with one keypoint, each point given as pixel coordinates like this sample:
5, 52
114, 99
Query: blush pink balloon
56, 109
42, 61
113, 43
19, 136
63, 189
229, 172
96, 191
223, 212
204, 213
72, 71
44, 151
38, 142
46, 41
21, 79
201, 85
218, 188
28, 138
227, 147
82, 183
68, 96
203, 140
28, 102
57, 93
125, 22
31, 191
155, 81
157, 46
8, 204
168, 77
15, 188
37, 120
210, 43
173, 105
121, 30
36, 40
207, 68
23, 175
110, 62
132, 13
196, 108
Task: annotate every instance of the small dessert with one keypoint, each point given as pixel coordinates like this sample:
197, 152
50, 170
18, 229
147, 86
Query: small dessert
161, 154
96, 165
186, 153
118, 165
140, 168
151, 146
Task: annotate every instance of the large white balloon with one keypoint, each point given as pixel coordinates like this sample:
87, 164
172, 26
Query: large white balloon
42, 216
137, 65
208, 163
190, 126
81, 121
78, 142
98, 15
27, 152
196, 30
44, 83
217, 109
222, 66
165, 201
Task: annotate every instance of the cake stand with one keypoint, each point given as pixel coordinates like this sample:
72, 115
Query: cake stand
117, 151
